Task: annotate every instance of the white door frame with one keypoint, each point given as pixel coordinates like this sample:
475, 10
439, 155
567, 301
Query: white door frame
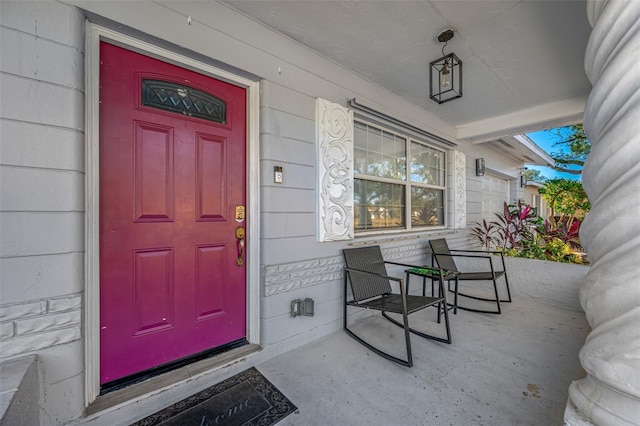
94, 35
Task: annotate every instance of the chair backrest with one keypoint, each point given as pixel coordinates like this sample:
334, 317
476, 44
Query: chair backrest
365, 286
443, 258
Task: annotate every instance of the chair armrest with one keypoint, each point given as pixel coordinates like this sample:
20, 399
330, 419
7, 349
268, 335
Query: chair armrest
444, 271
408, 265
476, 256
360, 271
461, 255
400, 281
481, 251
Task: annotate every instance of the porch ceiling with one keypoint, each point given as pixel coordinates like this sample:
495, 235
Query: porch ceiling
523, 60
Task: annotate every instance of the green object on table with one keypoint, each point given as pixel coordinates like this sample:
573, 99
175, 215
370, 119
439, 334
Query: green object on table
426, 271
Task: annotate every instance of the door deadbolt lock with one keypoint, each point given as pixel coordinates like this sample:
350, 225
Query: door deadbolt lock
240, 233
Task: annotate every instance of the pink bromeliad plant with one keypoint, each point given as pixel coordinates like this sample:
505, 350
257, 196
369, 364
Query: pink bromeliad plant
514, 225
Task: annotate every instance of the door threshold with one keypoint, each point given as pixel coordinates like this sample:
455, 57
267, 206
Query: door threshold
170, 378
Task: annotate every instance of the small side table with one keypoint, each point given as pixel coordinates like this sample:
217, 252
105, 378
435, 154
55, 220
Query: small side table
435, 274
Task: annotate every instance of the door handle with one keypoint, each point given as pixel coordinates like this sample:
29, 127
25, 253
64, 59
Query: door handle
240, 245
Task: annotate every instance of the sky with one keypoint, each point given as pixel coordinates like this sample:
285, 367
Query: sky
546, 140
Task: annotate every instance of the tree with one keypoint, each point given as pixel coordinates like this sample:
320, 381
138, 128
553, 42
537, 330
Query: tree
566, 198
575, 139
534, 176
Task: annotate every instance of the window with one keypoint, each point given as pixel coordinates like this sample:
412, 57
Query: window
399, 182
185, 100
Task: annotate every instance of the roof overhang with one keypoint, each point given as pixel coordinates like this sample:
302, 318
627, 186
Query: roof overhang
522, 149
547, 116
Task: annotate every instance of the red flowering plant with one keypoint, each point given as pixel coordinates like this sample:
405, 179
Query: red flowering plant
518, 231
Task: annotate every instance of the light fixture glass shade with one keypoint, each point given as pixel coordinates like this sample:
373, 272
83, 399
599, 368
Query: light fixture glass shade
445, 78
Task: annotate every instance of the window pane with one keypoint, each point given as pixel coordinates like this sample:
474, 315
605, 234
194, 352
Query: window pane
378, 205
360, 149
394, 155
374, 151
427, 165
184, 100
427, 207
378, 153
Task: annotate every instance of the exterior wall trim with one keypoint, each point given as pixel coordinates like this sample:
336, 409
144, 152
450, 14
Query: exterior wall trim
95, 34
459, 189
334, 140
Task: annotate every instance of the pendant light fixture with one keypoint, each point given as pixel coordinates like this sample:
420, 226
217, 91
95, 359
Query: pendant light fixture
445, 73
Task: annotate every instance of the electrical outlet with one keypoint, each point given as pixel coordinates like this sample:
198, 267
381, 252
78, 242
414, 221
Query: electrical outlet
302, 307
296, 307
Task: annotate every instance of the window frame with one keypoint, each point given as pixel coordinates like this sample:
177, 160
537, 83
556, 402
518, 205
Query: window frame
407, 183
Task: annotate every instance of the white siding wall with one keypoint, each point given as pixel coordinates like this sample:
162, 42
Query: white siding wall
501, 168
495, 192
42, 194
42, 172
532, 197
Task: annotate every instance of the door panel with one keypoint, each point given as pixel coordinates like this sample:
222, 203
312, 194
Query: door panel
153, 190
153, 290
495, 192
172, 172
209, 273
210, 168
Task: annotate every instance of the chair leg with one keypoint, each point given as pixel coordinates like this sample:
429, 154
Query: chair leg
406, 363
378, 351
441, 305
446, 323
421, 334
455, 295
344, 312
506, 280
482, 311
495, 288
407, 338
455, 298
445, 311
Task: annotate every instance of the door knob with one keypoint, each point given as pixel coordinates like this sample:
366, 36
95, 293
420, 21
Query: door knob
240, 245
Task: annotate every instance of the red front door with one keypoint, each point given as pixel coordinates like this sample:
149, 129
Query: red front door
172, 193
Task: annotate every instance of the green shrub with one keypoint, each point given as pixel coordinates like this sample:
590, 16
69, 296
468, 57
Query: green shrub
519, 232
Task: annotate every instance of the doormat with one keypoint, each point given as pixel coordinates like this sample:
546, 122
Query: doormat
247, 398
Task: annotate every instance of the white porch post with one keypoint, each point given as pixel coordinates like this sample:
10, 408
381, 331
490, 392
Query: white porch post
610, 295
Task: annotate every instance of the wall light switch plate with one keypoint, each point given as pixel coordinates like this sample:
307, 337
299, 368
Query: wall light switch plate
277, 175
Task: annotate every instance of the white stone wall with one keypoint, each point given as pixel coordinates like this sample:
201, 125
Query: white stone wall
551, 283
30, 326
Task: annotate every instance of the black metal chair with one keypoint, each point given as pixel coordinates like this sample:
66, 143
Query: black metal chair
366, 272
444, 258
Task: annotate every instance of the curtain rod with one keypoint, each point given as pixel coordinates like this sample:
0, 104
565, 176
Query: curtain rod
353, 103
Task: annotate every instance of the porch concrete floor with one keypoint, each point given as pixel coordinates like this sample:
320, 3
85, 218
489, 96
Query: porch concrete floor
509, 369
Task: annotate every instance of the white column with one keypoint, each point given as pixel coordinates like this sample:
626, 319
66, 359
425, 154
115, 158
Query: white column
610, 295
